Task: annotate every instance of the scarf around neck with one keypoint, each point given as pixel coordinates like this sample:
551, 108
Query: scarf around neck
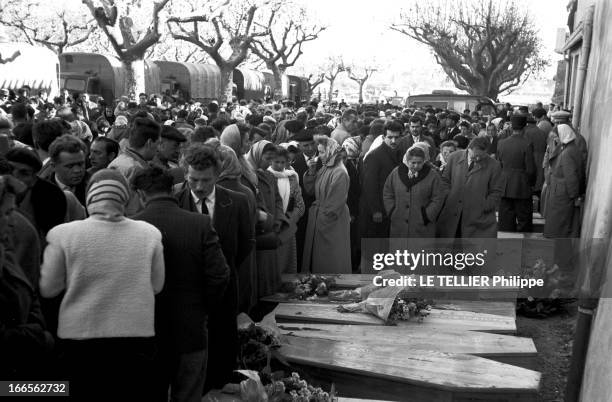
409, 182
284, 184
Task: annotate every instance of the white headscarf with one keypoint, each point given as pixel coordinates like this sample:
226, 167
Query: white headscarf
566, 133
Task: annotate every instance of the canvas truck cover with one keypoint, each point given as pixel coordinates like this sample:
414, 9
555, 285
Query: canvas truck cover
200, 81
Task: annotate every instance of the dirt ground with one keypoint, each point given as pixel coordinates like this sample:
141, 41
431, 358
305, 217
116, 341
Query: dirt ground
553, 337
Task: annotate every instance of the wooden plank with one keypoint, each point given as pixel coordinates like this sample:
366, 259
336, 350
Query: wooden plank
426, 369
438, 319
502, 348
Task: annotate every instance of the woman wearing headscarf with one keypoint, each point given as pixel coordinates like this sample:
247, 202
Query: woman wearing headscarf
229, 178
238, 141
109, 268
413, 196
352, 147
566, 182
327, 248
268, 230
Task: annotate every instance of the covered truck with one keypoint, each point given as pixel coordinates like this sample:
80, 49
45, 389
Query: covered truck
26, 65
199, 82
102, 75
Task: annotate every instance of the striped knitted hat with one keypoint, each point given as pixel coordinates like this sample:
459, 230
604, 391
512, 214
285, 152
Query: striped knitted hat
108, 185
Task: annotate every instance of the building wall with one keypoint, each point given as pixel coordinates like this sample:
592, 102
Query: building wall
596, 126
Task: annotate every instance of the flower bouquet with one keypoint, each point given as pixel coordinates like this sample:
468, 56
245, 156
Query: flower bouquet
287, 389
309, 287
391, 304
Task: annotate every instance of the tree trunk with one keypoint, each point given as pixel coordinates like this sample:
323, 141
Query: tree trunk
361, 83
134, 77
278, 92
331, 91
227, 84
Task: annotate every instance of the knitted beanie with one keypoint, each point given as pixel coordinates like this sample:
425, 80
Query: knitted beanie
107, 185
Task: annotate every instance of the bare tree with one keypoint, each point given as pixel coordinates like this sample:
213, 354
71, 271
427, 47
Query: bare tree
55, 29
129, 45
5, 60
361, 78
232, 26
485, 47
169, 49
314, 80
282, 46
333, 68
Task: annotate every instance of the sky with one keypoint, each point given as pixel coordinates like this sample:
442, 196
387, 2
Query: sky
358, 31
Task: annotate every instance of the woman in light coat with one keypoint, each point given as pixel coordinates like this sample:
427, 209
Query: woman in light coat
327, 248
413, 197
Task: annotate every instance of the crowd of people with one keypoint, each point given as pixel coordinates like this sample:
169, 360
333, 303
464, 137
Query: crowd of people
133, 234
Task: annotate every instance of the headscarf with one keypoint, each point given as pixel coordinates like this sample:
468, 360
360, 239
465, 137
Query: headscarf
424, 146
331, 147
566, 133
256, 153
230, 168
232, 138
352, 148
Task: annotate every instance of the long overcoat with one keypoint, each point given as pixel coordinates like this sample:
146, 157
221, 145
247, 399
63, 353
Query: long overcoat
566, 182
327, 248
472, 199
413, 211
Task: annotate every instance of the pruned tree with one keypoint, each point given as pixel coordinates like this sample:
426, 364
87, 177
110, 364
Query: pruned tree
333, 68
289, 28
129, 41
484, 46
225, 32
314, 80
360, 76
40, 24
5, 60
169, 49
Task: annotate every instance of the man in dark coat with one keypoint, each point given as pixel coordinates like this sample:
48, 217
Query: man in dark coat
196, 277
476, 186
68, 171
44, 204
308, 151
376, 168
231, 219
451, 129
417, 134
537, 138
515, 154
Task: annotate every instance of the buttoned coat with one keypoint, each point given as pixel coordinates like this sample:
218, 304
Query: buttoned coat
413, 211
327, 248
473, 197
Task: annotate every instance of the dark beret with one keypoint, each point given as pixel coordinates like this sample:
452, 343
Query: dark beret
519, 121
172, 133
304, 135
294, 126
25, 156
454, 116
538, 113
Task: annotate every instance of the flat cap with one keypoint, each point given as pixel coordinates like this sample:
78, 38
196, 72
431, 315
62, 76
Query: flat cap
561, 115
172, 133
